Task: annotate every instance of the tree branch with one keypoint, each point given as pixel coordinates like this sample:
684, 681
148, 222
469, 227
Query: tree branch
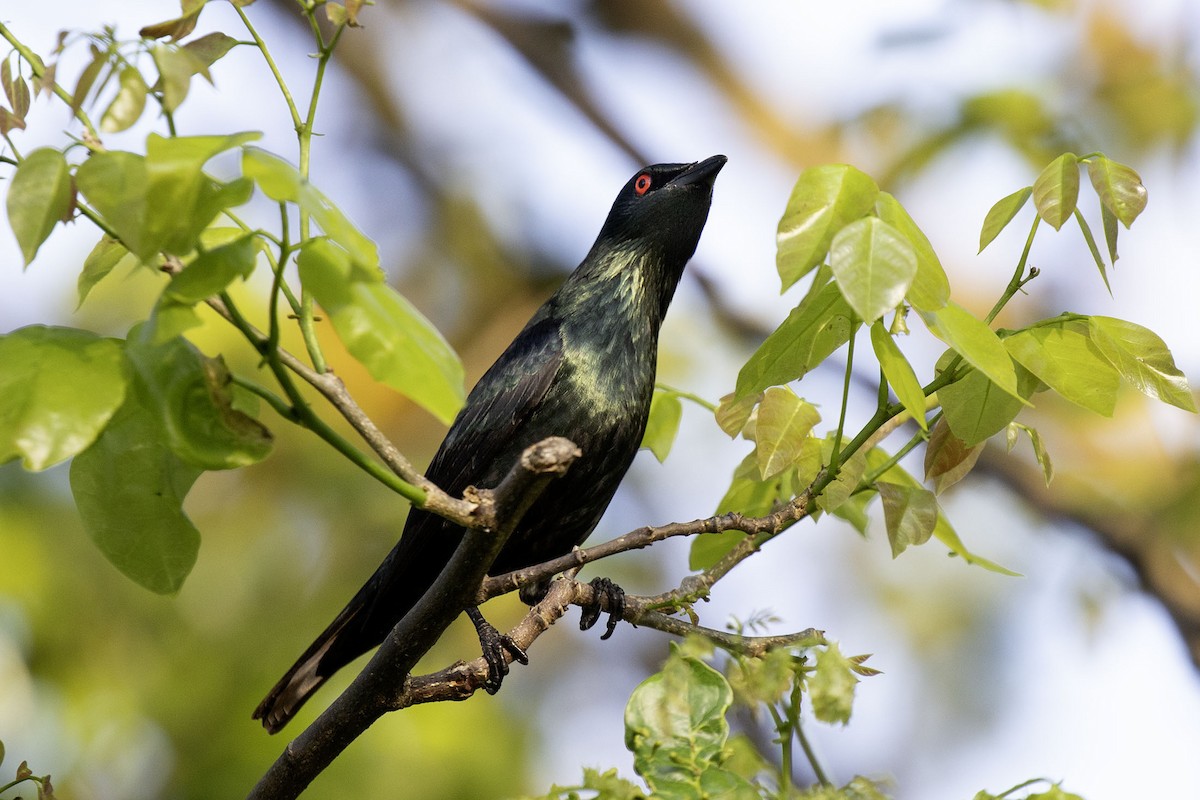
374, 691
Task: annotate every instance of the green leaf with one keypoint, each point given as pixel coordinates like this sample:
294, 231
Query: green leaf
844, 484
1001, 214
282, 182
38, 197
176, 66
59, 387
181, 200
817, 327
1090, 240
1055, 792
909, 513
948, 458
978, 344
663, 424
381, 329
1110, 232
1039, 447
213, 270
899, 373
784, 424
129, 488
114, 183
127, 107
930, 289
103, 259
823, 201
734, 413
675, 727
976, 408
874, 265
211, 47
1056, 190
87, 78
190, 394
1119, 187
1142, 359
1064, 357
179, 27
831, 686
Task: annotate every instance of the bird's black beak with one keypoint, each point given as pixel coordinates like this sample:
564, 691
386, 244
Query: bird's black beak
701, 172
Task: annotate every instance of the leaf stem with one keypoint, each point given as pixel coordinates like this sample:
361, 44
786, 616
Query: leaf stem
835, 459
1018, 279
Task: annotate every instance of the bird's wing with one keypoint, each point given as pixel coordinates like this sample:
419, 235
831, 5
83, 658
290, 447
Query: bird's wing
483, 435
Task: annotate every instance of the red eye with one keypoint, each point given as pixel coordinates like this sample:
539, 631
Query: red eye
642, 184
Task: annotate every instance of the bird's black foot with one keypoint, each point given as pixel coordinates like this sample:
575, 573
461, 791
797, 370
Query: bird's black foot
495, 644
609, 598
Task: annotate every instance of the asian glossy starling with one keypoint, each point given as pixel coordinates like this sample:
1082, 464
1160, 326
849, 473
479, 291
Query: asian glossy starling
583, 367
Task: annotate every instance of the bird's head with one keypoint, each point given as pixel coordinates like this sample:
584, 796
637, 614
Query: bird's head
662, 209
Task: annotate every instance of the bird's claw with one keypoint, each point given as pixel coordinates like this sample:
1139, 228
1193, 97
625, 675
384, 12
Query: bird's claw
609, 597
494, 645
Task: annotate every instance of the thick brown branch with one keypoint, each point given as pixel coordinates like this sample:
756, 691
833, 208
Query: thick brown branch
373, 692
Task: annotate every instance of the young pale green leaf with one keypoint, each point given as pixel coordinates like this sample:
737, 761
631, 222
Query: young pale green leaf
976, 408
87, 78
930, 289
734, 413
1090, 240
129, 488
381, 329
909, 514
1142, 359
784, 424
103, 259
213, 270
675, 727
948, 458
849, 475
978, 344
824, 200
1111, 230
38, 197
190, 394
181, 200
1119, 187
59, 387
1039, 447
1055, 792
899, 373
663, 424
1064, 357
176, 28
282, 182
874, 265
821, 324
1056, 190
211, 47
1001, 214
176, 66
831, 686
127, 107
114, 182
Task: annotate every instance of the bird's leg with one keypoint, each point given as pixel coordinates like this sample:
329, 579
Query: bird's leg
495, 644
610, 598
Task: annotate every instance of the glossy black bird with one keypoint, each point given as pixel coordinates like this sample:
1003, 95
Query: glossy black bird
583, 367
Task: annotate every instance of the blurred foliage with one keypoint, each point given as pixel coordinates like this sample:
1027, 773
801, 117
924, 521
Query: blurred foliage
124, 694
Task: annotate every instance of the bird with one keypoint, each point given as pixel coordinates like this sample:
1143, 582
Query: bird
584, 368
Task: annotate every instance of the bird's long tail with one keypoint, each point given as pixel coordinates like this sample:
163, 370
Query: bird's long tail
306, 675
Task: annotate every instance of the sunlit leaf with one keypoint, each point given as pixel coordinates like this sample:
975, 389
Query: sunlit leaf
1001, 214
930, 289
978, 344
103, 259
114, 183
213, 270
1142, 359
38, 197
976, 408
899, 373
821, 324
176, 66
127, 107
823, 201
909, 514
663, 424
784, 424
1039, 448
849, 476
381, 329
1064, 357
831, 686
733, 413
1119, 187
874, 265
1056, 190
58, 389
